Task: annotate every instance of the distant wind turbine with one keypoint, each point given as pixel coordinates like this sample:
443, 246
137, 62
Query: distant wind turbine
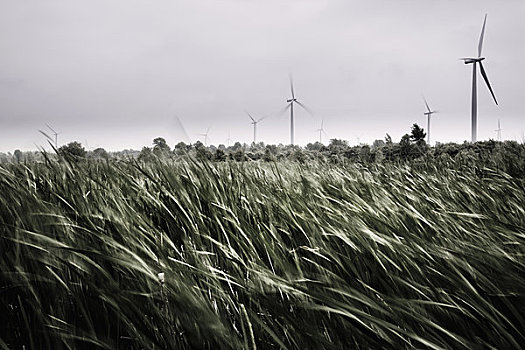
55, 134
428, 114
291, 102
254, 123
206, 136
228, 140
321, 132
474, 62
498, 131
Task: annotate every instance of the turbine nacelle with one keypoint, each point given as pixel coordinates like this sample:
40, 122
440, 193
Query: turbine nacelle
292, 99
470, 60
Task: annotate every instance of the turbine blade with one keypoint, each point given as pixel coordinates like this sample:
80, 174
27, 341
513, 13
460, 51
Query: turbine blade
46, 135
480, 45
181, 127
249, 115
305, 108
291, 87
50, 128
487, 81
426, 104
282, 111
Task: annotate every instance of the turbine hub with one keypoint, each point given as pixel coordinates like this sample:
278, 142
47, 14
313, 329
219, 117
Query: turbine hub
473, 60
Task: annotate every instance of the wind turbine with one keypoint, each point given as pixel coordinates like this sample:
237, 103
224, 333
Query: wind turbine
428, 114
475, 61
254, 123
291, 102
321, 132
498, 130
55, 134
228, 140
206, 136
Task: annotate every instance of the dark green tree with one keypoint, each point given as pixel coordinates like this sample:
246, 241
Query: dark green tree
378, 144
19, 156
202, 153
160, 147
219, 155
100, 153
405, 146
73, 151
146, 154
418, 134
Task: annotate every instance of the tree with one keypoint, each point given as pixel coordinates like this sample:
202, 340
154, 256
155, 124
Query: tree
237, 146
73, 151
181, 149
160, 146
239, 155
146, 154
337, 146
19, 156
405, 146
317, 146
378, 144
418, 134
100, 153
219, 155
202, 153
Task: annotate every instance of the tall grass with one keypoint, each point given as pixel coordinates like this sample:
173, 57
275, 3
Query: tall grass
274, 255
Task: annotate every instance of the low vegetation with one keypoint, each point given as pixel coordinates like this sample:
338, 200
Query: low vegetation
180, 253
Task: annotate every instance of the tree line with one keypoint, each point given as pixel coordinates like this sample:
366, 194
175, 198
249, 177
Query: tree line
508, 156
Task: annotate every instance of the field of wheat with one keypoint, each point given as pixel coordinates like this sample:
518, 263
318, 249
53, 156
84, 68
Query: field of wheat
179, 255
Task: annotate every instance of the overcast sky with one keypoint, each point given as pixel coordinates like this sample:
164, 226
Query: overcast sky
116, 73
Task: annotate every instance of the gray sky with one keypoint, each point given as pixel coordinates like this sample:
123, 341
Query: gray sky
115, 73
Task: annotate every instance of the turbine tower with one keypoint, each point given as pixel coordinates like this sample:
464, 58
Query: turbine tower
475, 61
498, 131
321, 132
254, 123
428, 114
291, 102
228, 140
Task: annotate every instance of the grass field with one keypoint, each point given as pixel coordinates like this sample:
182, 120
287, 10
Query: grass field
260, 255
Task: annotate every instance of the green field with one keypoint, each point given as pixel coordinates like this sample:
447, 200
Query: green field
260, 255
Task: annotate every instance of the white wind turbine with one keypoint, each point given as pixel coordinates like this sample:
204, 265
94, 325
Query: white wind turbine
254, 123
475, 61
321, 132
428, 113
206, 136
498, 131
291, 102
55, 134
228, 140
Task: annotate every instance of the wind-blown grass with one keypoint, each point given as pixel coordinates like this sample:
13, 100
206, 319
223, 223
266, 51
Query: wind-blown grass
275, 255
